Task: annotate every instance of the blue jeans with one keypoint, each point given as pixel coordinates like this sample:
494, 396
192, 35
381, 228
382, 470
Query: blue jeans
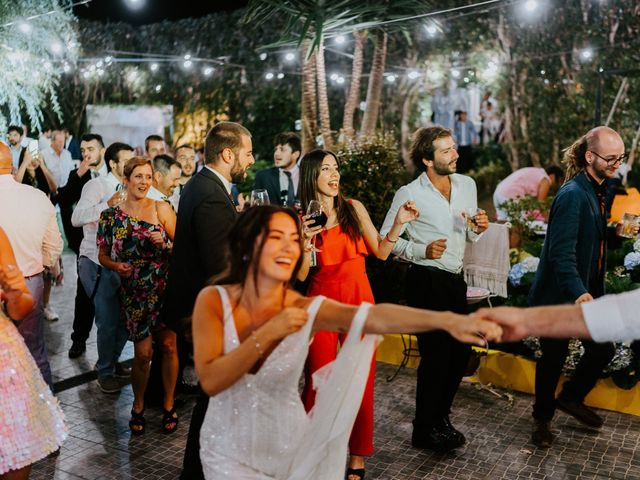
32, 328
111, 331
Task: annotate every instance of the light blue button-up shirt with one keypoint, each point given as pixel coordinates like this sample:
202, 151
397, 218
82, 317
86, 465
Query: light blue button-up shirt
439, 218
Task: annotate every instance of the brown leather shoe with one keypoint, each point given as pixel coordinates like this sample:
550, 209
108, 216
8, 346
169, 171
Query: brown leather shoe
541, 435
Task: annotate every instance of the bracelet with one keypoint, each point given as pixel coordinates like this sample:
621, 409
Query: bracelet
389, 240
258, 346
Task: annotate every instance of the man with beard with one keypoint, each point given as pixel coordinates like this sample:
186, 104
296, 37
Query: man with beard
92, 166
205, 217
186, 156
571, 270
435, 246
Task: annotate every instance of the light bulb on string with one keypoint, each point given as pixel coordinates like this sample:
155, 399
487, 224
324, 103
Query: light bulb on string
391, 78
340, 39
340, 80
431, 30
158, 88
154, 67
269, 76
290, 56
208, 71
413, 74
586, 54
263, 56
187, 64
108, 59
280, 76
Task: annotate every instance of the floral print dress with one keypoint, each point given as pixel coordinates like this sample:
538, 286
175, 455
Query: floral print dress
126, 239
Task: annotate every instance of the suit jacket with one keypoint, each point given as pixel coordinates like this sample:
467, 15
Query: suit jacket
269, 179
67, 197
205, 217
569, 260
74, 149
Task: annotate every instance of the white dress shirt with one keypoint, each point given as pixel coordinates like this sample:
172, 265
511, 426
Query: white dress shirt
225, 182
60, 166
29, 219
284, 180
439, 218
613, 317
93, 201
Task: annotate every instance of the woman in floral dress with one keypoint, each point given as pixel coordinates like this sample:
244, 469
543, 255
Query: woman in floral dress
134, 239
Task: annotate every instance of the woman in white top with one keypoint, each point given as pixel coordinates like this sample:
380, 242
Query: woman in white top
250, 342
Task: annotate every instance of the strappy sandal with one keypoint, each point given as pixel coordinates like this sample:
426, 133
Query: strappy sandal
357, 472
169, 421
137, 423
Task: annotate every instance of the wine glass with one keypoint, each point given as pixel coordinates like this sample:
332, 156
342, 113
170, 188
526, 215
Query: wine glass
259, 197
470, 215
315, 213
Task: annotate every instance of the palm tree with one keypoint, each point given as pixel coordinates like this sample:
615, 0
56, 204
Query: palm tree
309, 111
374, 90
353, 99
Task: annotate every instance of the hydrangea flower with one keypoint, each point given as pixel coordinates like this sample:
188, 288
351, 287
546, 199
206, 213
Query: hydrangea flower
632, 259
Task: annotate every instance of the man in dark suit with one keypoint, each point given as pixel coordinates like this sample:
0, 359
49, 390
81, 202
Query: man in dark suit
92, 166
71, 144
205, 217
571, 270
281, 181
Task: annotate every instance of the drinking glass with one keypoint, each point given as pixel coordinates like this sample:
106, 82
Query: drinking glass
259, 197
629, 220
470, 215
316, 213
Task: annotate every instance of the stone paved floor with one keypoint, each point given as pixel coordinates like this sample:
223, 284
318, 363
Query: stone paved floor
100, 446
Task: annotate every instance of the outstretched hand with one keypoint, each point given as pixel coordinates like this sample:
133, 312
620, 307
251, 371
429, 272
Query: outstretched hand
510, 319
472, 329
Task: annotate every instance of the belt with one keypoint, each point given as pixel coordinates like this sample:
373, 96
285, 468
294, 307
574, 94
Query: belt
34, 275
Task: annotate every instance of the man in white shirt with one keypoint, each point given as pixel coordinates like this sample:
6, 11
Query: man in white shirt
92, 166
58, 159
166, 175
101, 284
29, 220
435, 247
612, 318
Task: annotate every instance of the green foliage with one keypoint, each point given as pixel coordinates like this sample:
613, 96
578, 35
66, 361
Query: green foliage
487, 176
36, 39
371, 171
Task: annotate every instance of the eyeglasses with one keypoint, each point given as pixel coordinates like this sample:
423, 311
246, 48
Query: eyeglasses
612, 161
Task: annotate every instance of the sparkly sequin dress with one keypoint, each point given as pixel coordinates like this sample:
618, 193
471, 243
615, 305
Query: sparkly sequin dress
258, 429
31, 421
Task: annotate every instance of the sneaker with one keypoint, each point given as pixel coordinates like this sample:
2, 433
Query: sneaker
109, 384
122, 371
77, 349
580, 412
50, 314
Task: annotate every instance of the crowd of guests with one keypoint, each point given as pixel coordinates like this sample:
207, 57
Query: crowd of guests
167, 260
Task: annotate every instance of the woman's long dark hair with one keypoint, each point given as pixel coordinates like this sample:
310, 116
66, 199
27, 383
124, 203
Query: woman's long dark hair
246, 240
309, 172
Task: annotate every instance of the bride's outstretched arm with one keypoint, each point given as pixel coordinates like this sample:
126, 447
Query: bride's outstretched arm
218, 371
389, 318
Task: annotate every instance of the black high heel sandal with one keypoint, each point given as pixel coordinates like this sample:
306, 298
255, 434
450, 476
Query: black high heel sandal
137, 420
168, 419
358, 472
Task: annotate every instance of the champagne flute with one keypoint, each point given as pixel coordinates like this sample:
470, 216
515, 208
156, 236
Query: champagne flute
259, 197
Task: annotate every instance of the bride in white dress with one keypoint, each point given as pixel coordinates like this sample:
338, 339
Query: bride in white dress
250, 342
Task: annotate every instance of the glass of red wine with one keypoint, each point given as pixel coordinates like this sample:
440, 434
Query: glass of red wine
315, 213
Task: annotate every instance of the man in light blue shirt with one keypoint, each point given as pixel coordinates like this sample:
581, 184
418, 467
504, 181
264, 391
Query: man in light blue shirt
434, 245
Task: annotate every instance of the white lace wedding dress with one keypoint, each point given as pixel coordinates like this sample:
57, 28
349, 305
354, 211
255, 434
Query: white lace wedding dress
258, 428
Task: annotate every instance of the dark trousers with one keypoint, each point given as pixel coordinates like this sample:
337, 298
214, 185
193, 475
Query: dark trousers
83, 313
191, 465
443, 359
549, 368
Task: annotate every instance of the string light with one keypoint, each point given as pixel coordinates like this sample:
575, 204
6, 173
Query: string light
290, 57
208, 71
154, 67
340, 39
586, 54
431, 30
280, 76
158, 88
269, 76
413, 74
263, 56
531, 6
391, 78
455, 73
187, 64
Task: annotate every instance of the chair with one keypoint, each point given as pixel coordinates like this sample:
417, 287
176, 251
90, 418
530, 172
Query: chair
486, 265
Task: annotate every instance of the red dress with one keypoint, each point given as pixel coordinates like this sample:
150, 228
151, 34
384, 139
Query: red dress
341, 275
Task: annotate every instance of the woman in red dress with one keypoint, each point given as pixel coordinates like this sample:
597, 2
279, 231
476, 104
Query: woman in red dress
339, 273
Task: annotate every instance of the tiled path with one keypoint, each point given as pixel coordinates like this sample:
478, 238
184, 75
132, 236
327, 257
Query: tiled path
100, 446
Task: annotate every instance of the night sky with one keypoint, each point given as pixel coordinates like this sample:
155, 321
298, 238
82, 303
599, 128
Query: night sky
139, 12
